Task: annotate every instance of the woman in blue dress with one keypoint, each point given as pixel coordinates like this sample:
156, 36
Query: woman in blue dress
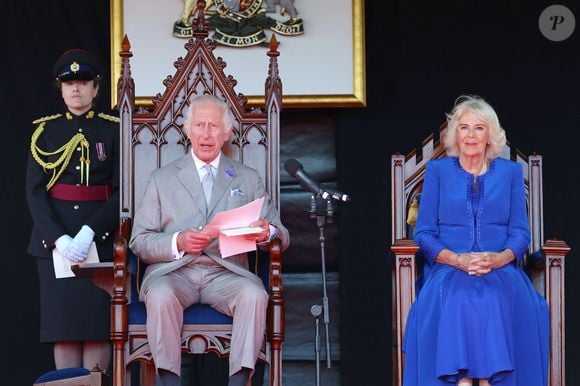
477, 315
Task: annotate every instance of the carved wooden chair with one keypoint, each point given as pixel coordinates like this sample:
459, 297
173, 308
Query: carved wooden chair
151, 138
544, 263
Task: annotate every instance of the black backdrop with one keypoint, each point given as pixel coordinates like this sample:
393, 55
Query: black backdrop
420, 57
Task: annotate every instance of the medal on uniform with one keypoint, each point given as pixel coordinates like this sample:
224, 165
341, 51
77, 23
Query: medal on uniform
101, 155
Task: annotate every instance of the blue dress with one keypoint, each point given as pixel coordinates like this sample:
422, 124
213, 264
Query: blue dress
494, 326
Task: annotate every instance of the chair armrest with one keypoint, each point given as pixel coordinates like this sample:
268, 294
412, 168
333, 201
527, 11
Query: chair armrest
275, 316
276, 303
555, 252
120, 272
276, 266
119, 313
403, 279
404, 276
119, 301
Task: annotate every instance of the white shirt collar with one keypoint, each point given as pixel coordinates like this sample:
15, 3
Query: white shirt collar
199, 164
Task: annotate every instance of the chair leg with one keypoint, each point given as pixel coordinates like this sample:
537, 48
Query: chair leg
147, 374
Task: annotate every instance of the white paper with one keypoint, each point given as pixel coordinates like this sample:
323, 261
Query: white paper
240, 217
241, 231
62, 265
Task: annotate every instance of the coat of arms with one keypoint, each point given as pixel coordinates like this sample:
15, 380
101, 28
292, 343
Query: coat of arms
241, 23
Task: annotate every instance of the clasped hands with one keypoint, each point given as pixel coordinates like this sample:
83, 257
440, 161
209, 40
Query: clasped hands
196, 240
482, 263
76, 249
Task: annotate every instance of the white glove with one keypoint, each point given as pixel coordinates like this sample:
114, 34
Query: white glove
64, 244
83, 239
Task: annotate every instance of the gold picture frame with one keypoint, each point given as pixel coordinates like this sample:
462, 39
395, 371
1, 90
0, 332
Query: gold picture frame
356, 97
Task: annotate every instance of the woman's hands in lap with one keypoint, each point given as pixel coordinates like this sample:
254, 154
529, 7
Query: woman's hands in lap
482, 263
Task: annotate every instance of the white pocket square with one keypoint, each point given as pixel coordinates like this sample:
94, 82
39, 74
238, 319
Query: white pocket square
236, 193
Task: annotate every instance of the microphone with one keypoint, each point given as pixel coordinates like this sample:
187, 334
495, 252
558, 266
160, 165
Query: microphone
295, 169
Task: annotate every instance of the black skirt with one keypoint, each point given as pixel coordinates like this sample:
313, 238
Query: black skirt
71, 309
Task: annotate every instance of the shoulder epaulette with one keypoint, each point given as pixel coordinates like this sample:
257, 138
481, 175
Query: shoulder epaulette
109, 117
47, 118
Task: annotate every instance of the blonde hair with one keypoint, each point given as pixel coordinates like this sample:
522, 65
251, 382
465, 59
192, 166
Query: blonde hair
483, 110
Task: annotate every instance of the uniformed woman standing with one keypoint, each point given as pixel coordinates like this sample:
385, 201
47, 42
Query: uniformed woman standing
72, 192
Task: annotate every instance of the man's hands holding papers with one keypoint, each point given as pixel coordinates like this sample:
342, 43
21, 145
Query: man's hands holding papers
193, 240
262, 231
244, 238
257, 231
238, 231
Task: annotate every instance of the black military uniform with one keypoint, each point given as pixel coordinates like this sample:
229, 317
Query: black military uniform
73, 180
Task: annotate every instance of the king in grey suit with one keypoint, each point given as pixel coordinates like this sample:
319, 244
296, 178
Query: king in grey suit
185, 265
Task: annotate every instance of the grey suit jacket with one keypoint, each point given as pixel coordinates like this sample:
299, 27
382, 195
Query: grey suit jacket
173, 201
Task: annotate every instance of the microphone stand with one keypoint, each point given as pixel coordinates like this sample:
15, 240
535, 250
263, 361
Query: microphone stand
317, 309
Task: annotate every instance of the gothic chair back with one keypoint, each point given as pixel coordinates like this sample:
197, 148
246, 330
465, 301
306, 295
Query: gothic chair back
153, 137
544, 263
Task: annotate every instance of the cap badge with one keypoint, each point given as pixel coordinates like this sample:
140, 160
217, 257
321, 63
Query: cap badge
74, 67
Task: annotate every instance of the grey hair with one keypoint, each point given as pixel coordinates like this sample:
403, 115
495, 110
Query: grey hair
204, 100
484, 111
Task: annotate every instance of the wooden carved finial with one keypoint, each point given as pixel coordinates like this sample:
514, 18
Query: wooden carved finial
273, 82
125, 83
125, 45
274, 43
199, 23
273, 46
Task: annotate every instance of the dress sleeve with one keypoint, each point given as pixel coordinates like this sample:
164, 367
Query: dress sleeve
518, 229
427, 230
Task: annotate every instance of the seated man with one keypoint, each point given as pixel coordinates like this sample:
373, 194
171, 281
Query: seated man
185, 265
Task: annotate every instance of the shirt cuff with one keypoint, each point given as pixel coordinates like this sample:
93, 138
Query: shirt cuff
174, 251
272, 235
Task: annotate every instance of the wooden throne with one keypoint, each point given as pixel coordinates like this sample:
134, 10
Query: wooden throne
151, 138
545, 261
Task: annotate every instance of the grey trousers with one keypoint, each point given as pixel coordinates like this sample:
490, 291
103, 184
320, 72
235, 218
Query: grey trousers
199, 282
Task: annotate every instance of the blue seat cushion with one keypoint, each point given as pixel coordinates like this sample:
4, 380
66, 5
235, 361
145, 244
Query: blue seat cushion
55, 375
196, 314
